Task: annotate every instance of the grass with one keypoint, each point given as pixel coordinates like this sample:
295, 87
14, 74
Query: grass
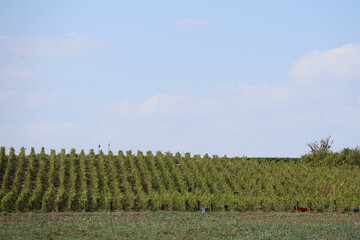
166, 225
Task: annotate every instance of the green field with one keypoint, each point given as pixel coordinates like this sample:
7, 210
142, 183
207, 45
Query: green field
166, 225
78, 182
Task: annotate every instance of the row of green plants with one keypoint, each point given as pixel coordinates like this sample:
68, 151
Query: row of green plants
79, 181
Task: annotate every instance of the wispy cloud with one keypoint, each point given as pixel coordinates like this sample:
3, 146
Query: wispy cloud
194, 22
17, 98
234, 119
38, 99
240, 115
11, 73
48, 134
7, 96
239, 99
336, 65
64, 45
235, 96
159, 105
238, 118
12, 93
9, 76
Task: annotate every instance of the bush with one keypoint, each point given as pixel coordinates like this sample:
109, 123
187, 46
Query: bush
318, 150
321, 149
351, 156
320, 153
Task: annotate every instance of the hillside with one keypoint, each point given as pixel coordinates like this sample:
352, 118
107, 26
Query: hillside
171, 182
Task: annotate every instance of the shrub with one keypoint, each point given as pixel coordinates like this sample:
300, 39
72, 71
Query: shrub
320, 153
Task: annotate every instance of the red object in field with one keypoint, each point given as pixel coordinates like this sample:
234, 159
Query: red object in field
324, 195
302, 209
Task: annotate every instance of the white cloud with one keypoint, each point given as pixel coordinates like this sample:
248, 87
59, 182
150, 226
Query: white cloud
159, 105
64, 45
236, 99
194, 22
259, 96
335, 65
253, 119
46, 128
236, 119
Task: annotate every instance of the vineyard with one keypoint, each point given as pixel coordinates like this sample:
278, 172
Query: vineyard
79, 181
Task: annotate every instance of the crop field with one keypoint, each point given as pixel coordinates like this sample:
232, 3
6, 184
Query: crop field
180, 225
159, 196
79, 182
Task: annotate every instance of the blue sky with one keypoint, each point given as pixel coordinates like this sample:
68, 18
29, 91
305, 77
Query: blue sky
254, 78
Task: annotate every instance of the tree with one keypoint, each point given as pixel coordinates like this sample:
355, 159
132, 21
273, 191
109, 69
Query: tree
319, 151
322, 147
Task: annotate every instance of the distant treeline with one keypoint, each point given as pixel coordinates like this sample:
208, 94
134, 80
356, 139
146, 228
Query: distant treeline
127, 181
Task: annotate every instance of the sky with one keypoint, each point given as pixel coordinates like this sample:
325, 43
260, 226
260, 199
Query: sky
237, 78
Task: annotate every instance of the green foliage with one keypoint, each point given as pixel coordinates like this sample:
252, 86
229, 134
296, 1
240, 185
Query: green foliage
106, 196
7, 203
179, 182
83, 198
320, 153
61, 191
94, 197
3, 160
321, 147
72, 187
348, 156
9, 173
22, 203
35, 201
48, 199
318, 150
